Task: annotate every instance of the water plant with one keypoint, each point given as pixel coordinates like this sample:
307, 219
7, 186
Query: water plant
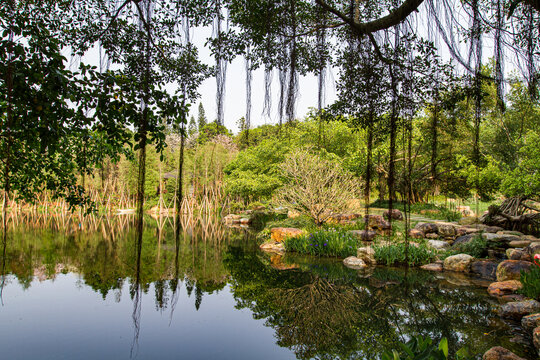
331, 242
531, 280
395, 254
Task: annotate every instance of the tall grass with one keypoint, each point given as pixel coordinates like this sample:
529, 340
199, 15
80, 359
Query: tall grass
336, 243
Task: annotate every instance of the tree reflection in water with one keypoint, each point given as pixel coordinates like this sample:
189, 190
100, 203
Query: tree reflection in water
317, 308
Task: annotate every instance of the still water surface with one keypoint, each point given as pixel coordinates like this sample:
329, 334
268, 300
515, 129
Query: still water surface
76, 290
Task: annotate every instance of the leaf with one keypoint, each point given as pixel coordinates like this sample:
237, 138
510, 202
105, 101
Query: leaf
443, 345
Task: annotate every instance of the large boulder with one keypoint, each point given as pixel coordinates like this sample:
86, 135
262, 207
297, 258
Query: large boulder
530, 322
438, 244
459, 262
486, 269
426, 228
499, 240
502, 288
518, 309
536, 338
364, 235
462, 240
416, 234
518, 254
468, 220
279, 234
500, 353
367, 254
354, 263
446, 230
493, 229
522, 243
533, 249
377, 222
510, 269
396, 214
432, 267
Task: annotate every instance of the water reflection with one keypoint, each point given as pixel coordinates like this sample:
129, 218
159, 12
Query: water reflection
314, 308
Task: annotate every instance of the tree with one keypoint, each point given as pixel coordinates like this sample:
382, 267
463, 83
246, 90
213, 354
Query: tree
316, 186
201, 120
192, 126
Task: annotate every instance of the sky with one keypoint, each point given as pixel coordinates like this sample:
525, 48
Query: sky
235, 94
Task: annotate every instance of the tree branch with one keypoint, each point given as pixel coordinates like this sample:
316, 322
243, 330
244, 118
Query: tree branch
395, 17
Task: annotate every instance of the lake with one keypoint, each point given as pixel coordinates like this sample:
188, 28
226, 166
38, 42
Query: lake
89, 289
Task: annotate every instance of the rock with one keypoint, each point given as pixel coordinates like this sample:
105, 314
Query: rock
259, 208
507, 287
486, 269
354, 263
499, 240
232, 219
396, 214
519, 243
432, 236
292, 214
343, 218
533, 249
493, 229
367, 254
518, 309
530, 238
536, 337
460, 262
426, 228
510, 269
432, 267
245, 221
438, 244
463, 239
510, 232
530, 322
364, 235
468, 220
446, 230
518, 254
500, 353
377, 222
279, 234
273, 247
416, 234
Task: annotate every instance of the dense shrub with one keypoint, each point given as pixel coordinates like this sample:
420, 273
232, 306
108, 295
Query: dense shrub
395, 254
477, 247
331, 242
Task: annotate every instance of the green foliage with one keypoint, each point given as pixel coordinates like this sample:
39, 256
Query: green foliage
300, 222
419, 348
254, 174
531, 283
332, 242
524, 180
477, 247
394, 254
210, 131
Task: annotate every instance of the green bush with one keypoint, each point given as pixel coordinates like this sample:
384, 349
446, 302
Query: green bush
419, 348
338, 243
531, 283
395, 254
235, 207
477, 248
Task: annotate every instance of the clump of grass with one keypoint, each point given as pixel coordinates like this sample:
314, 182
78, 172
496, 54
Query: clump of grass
331, 242
531, 283
477, 247
394, 254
